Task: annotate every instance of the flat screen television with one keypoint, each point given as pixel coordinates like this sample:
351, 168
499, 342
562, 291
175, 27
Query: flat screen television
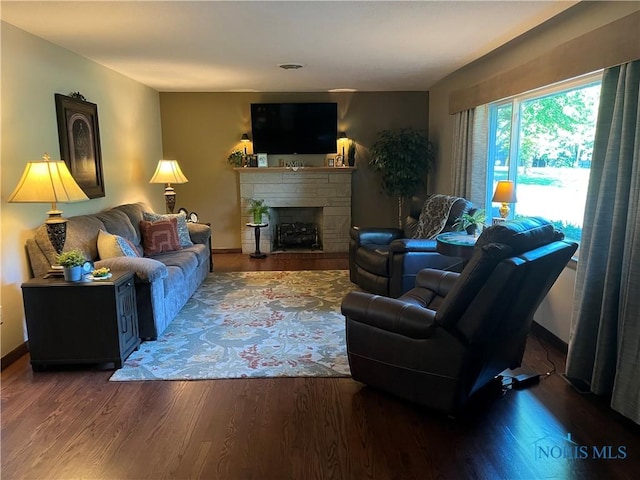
291, 128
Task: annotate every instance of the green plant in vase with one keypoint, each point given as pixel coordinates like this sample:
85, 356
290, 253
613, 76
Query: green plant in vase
257, 209
71, 262
235, 158
470, 222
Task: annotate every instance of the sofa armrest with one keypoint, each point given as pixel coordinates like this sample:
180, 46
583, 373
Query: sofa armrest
146, 269
412, 245
389, 314
199, 232
377, 236
438, 281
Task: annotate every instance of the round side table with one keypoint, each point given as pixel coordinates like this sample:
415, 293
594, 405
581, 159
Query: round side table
456, 244
256, 228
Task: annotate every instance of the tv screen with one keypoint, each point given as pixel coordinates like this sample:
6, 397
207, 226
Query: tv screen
289, 128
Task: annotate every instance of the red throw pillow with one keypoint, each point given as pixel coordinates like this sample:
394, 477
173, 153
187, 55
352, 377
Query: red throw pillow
160, 236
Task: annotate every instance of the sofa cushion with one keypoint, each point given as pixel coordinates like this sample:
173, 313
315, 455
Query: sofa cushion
200, 250
110, 246
118, 223
159, 237
185, 260
181, 218
134, 211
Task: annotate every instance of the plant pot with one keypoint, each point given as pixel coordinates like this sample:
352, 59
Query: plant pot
72, 274
471, 229
257, 217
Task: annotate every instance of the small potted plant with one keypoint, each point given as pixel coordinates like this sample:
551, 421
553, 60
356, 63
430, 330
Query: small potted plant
257, 209
470, 221
71, 262
235, 158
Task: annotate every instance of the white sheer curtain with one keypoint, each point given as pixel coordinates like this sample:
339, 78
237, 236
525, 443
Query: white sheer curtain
469, 166
604, 349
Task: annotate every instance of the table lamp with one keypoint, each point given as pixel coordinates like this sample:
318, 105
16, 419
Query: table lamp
342, 138
505, 193
49, 182
245, 139
168, 171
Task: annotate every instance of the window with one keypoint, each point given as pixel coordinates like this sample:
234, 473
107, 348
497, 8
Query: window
543, 142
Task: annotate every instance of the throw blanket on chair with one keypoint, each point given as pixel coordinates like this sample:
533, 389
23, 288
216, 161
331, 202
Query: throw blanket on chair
434, 215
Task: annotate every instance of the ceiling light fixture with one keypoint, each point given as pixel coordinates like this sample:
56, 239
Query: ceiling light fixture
290, 66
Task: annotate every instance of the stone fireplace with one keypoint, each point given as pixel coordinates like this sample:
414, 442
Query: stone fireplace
320, 195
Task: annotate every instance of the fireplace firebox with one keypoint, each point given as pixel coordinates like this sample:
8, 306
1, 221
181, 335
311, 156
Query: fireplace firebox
297, 235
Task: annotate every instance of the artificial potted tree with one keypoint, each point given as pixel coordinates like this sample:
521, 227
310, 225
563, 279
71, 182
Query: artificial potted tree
71, 262
403, 157
257, 209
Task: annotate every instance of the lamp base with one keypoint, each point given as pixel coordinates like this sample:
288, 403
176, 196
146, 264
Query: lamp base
504, 210
56, 230
170, 198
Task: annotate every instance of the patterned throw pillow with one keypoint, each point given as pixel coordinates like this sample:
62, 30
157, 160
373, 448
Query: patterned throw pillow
160, 236
110, 246
183, 230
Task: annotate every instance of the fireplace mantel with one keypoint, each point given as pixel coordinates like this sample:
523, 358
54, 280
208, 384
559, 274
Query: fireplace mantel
328, 188
291, 170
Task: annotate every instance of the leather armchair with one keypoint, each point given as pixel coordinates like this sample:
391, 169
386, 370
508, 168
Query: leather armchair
454, 332
386, 260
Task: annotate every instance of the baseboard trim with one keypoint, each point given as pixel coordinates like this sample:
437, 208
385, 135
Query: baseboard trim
549, 337
14, 355
226, 250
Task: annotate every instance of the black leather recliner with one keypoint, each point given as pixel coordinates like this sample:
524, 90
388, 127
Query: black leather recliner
386, 260
454, 332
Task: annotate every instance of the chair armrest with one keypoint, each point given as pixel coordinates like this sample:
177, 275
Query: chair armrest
412, 245
199, 232
146, 269
438, 281
378, 236
389, 314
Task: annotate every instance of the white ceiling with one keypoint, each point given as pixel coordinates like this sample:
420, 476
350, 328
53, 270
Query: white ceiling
226, 46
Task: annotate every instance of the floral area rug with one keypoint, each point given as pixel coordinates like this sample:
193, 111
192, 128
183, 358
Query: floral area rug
251, 324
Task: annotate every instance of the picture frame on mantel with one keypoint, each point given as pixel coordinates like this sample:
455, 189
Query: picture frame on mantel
79, 137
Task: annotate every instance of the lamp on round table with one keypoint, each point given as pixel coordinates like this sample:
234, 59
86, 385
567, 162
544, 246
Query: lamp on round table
505, 193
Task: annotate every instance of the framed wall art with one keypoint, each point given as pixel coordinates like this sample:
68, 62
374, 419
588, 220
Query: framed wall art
79, 137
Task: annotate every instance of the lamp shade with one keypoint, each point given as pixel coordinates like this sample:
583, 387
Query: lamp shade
245, 138
47, 182
342, 136
168, 171
505, 192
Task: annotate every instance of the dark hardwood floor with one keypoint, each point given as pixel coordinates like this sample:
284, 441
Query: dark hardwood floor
73, 423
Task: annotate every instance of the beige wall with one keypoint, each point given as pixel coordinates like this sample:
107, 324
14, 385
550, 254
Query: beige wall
201, 129
33, 70
586, 17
